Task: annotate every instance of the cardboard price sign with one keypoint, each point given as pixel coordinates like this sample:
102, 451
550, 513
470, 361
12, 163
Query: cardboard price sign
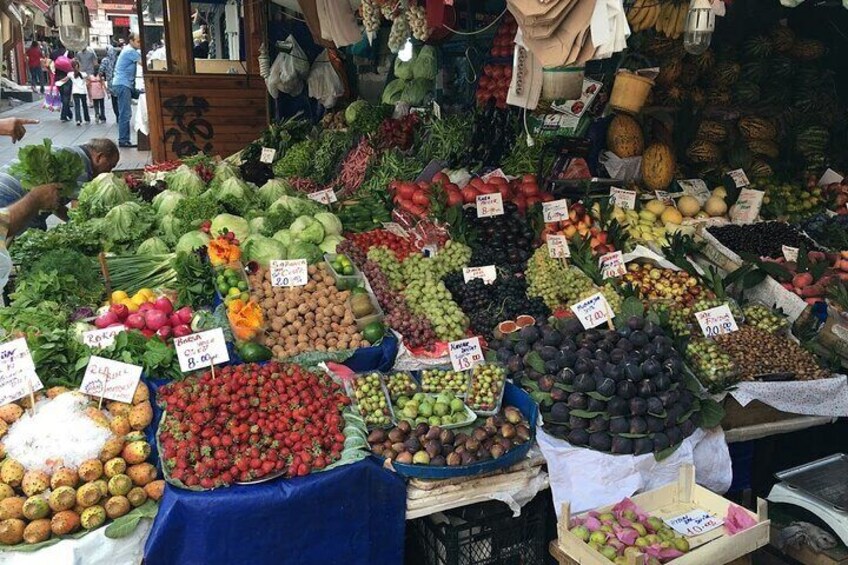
326, 196
289, 272
694, 522
696, 188
790, 253
612, 265
716, 321
558, 246
465, 353
624, 199
105, 378
747, 206
740, 179
104, 337
555, 211
830, 176
17, 372
497, 173
593, 311
488, 273
267, 155
395, 228
201, 350
489, 205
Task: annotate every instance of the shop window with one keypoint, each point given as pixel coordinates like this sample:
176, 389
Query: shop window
153, 27
218, 38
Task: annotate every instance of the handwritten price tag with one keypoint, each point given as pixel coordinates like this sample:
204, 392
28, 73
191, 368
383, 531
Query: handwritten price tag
110, 379
288, 273
488, 273
696, 188
740, 179
747, 206
593, 311
790, 253
716, 321
200, 350
497, 173
104, 337
489, 205
830, 176
664, 197
17, 371
558, 246
694, 522
555, 211
396, 229
326, 196
267, 155
612, 265
465, 353
624, 199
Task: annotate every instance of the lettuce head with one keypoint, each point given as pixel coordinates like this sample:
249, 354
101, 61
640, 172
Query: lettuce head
307, 229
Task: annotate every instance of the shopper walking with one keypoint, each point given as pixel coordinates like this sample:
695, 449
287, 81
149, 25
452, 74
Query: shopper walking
63, 67
79, 90
97, 89
123, 85
87, 58
107, 68
36, 77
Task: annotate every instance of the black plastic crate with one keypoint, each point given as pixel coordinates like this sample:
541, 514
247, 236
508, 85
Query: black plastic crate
482, 534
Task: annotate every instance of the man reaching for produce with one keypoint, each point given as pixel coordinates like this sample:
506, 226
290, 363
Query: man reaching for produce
98, 156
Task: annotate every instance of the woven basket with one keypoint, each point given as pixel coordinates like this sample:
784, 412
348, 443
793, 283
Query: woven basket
629, 92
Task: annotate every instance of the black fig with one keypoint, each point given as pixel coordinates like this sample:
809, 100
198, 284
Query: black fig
621, 446
566, 377
600, 441
576, 423
638, 425
619, 425
559, 412
642, 446
584, 383
626, 390
617, 406
578, 401
578, 437
598, 424
638, 406
661, 442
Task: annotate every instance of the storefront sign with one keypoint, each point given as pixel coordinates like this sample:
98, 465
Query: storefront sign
612, 265
555, 211
593, 311
624, 199
104, 337
488, 273
489, 205
17, 372
558, 246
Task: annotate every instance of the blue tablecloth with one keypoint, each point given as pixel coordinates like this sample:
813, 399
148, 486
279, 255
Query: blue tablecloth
353, 514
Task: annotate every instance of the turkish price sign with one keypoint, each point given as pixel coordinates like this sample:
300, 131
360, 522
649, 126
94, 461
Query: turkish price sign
747, 206
790, 253
465, 353
103, 337
489, 205
740, 179
267, 155
693, 523
497, 173
326, 196
488, 273
555, 210
716, 321
558, 246
664, 197
110, 379
395, 228
201, 350
696, 188
612, 265
830, 176
289, 272
624, 199
593, 311
17, 371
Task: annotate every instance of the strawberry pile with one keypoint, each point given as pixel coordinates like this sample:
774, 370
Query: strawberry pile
251, 421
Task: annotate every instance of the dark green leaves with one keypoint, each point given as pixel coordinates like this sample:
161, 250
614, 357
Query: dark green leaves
711, 413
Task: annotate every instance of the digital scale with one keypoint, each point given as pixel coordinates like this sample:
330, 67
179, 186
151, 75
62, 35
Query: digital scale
820, 487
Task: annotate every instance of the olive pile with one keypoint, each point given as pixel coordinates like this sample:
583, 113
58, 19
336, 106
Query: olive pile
757, 352
613, 391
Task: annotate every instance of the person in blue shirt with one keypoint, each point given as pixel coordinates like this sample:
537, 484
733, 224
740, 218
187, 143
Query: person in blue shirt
123, 84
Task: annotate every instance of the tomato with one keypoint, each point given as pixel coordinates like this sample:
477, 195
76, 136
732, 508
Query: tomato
546, 196
451, 186
420, 199
520, 202
504, 190
406, 190
533, 200
529, 188
454, 197
477, 183
469, 194
441, 177
488, 189
497, 180
528, 178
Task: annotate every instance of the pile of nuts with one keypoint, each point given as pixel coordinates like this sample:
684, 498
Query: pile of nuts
758, 352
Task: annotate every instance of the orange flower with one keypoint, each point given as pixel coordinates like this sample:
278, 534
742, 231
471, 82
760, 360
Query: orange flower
222, 252
245, 319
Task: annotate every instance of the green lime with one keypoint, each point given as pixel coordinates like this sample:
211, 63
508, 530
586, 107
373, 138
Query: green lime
223, 289
373, 332
234, 291
244, 296
347, 271
242, 286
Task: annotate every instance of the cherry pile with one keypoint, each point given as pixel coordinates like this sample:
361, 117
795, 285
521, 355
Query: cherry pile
249, 422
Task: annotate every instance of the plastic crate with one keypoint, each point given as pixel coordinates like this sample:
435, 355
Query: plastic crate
482, 534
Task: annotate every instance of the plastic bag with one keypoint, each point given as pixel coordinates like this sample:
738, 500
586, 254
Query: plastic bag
324, 83
52, 98
294, 67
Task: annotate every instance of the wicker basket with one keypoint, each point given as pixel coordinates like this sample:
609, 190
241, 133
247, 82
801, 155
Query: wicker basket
629, 92
562, 83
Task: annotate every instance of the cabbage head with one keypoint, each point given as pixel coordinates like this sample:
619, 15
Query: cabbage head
296, 205
425, 65
331, 223
171, 229
152, 246
393, 91
263, 250
101, 194
308, 229
330, 242
224, 171
191, 241
303, 250
272, 190
403, 69
353, 110
257, 225
127, 222
416, 91
165, 202
284, 237
185, 180
231, 223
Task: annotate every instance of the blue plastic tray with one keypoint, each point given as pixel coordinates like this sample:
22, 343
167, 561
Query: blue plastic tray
513, 396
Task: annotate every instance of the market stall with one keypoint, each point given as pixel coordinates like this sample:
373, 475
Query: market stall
487, 264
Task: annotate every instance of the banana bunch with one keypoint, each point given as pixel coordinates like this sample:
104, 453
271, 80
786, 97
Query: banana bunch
668, 18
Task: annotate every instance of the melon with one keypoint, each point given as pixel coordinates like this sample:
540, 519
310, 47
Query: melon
655, 207
624, 136
715, 206
671, 216
657, 166
720, 192
688, 206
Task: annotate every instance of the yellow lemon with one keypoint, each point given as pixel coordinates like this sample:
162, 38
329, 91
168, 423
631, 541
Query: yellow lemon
148, 294
131, 306
118, 296
139, 299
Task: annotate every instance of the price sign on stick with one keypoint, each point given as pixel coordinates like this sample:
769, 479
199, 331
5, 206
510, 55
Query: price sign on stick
489, 205
593, 311
555, 211
289, 272
624, 199
201, 350
110, 379
465, 353
716, 321
104, 337
267, 155
558, 246
694, 523
326, 196
17, 372
488, 273
612, 265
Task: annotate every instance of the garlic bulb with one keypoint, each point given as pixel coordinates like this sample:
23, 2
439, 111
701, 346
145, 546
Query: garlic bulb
417, 18
398, 34
370, 16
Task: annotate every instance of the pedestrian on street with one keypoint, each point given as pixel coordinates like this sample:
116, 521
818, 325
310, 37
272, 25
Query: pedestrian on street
79, 90
107, 68
97, 89
123, 85
63, 67
36, 77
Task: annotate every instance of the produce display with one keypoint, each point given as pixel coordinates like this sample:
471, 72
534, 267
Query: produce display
444, 409
485, 388
371, 400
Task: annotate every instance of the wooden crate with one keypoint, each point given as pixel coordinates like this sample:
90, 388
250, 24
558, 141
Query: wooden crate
714, 547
